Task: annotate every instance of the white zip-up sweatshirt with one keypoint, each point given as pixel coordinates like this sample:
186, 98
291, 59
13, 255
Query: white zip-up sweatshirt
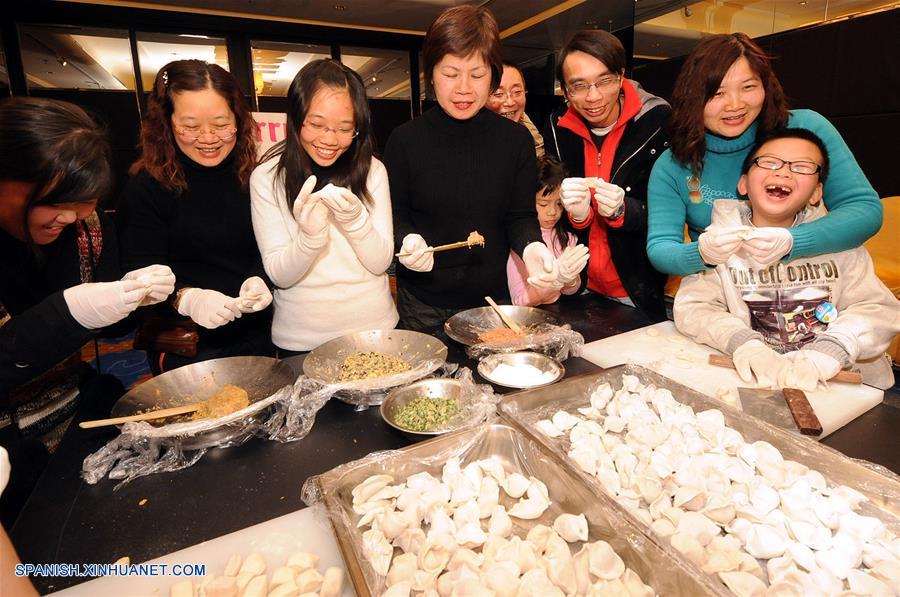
740, 300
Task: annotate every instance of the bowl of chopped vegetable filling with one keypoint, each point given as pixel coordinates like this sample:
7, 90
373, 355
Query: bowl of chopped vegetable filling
425, 408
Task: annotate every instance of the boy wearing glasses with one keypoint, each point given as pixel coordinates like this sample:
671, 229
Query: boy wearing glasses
609, 134
796, 323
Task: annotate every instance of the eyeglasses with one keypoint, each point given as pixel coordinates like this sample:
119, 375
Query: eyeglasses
768, 162
191, 134
515, 94
581, 88
320, 129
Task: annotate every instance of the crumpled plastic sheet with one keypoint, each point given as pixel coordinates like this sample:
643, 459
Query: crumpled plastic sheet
142, 449
559, 342
478, 402
364, 393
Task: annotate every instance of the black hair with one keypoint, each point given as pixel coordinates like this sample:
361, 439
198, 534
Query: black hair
551, 173
790, 133
57, 147
352, 168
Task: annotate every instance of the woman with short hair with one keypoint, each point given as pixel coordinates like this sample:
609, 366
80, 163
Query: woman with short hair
459, 168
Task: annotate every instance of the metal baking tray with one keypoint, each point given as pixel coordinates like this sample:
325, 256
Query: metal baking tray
657, 567
523, 409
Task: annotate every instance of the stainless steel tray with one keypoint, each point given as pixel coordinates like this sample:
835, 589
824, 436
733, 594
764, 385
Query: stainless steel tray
522, 410
668, 575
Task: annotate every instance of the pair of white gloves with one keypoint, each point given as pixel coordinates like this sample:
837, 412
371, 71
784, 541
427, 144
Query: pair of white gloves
96, 305
765, 245
312, 210
544, 269
801, 369
575, 194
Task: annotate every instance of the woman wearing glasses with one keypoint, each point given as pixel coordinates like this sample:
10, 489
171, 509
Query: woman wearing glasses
726, 97
322, 214
508, 100
609, 135
458, 168
187, 205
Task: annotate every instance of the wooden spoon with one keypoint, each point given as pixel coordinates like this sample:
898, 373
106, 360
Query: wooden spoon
474, 239
507, 320
149, 416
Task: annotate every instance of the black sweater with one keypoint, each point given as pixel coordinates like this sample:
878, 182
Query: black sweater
449, 177
204, 234
42, 331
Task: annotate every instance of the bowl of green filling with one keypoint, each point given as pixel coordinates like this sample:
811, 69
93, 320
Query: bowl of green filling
425, 408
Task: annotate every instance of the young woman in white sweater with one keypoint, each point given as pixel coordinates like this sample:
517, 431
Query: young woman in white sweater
322, 214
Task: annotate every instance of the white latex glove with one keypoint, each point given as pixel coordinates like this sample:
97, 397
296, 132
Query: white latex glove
158, 278
209, 308
768, 245
418, 260
309, 211
808, 368
610, 198
540, 263
99, 304
576, 198
4, 468
755, 358
254, 295
344, 205
719, 243
571, 262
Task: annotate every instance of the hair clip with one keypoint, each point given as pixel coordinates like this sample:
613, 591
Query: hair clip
165, 79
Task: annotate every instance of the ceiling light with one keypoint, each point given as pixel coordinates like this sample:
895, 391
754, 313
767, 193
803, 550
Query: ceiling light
688, 12
803, 2
340, 7
62, 61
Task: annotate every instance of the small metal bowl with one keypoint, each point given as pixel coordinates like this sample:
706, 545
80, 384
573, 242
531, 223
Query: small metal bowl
519, 359
435, 388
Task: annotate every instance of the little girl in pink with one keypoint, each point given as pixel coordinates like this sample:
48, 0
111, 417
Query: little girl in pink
556, 233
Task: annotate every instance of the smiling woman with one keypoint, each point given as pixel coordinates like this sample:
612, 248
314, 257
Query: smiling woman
187, 205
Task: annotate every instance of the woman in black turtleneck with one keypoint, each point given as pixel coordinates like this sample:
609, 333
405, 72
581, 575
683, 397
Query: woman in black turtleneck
187, 205
458, 168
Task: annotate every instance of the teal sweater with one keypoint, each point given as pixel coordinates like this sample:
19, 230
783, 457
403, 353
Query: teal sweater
855, 209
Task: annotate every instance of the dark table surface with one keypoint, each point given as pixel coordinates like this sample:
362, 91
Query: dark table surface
68, 521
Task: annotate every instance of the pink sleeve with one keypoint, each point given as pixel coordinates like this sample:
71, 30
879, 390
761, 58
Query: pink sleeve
520, 291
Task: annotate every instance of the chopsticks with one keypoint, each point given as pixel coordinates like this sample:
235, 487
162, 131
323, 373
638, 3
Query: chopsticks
473, 240
156, 414
845, 376
506, 319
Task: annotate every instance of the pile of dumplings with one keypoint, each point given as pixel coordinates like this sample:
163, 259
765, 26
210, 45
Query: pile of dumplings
456, 538
763, 524
246, 577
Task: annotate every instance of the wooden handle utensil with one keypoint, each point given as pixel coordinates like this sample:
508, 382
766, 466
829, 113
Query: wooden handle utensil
474, 239
855, 377
506, 319
148, 416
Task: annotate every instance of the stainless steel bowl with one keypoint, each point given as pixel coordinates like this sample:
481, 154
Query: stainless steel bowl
435, 388
521, 359
465, 326
324, 363
259, 376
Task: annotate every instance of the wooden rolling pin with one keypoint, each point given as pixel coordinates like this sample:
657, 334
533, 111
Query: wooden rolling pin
720, 360
149, 416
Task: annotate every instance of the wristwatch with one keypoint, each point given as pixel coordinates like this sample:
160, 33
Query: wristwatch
618, 213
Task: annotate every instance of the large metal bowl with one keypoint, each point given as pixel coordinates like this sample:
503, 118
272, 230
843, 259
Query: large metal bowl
324, 363
259, 376
465, 326
436, 388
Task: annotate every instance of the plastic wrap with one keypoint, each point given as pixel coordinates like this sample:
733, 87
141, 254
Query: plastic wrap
517, 453
143, 449
557, 341
523, 410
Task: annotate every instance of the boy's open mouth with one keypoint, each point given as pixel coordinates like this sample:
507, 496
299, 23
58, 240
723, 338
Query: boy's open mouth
777, 191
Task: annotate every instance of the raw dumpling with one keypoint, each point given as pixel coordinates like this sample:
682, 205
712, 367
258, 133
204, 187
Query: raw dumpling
571, 528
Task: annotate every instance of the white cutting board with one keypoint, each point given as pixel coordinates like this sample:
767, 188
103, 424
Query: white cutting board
276, 539
673, 355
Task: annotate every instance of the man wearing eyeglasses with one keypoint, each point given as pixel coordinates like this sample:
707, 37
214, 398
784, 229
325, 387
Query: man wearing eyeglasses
509, 101
609, 133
